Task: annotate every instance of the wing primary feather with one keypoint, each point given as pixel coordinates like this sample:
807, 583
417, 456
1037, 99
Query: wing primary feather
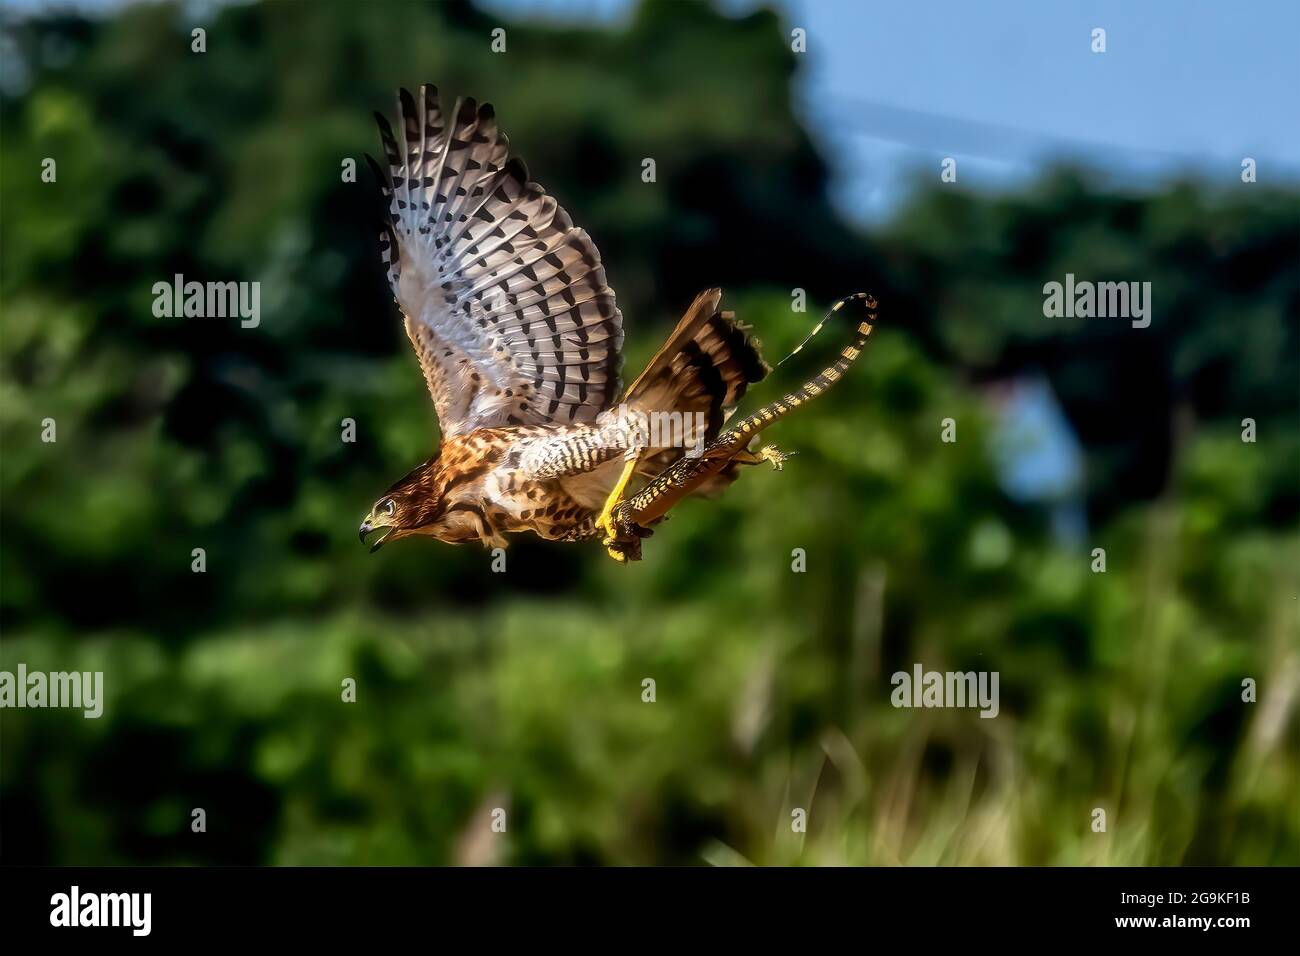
506, 294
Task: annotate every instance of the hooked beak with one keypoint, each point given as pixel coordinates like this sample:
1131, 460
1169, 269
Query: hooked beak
367, 527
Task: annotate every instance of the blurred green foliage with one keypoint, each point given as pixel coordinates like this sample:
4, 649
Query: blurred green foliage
523, 690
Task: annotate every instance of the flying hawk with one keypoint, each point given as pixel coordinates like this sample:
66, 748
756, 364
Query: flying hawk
518, 335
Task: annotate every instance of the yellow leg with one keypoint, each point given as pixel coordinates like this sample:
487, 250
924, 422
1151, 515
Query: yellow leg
767, 453
606, 521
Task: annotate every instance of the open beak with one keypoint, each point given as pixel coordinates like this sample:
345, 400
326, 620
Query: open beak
367, 528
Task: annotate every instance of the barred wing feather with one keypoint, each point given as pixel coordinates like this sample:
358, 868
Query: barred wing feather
505, 299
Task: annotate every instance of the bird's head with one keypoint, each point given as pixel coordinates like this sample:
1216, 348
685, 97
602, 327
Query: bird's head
411, 506
436, 499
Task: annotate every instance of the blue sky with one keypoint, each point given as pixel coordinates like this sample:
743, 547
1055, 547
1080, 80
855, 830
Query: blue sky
1008, 86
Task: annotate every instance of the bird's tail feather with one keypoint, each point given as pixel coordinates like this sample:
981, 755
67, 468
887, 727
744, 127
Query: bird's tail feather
700, 373
718, 465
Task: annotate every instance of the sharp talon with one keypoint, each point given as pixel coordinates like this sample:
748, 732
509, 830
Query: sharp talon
606, 521
776, 456
606, 524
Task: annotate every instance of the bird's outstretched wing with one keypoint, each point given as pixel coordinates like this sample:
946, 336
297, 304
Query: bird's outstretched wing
505, 299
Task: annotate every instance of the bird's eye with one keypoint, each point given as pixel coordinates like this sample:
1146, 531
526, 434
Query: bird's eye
390, 506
